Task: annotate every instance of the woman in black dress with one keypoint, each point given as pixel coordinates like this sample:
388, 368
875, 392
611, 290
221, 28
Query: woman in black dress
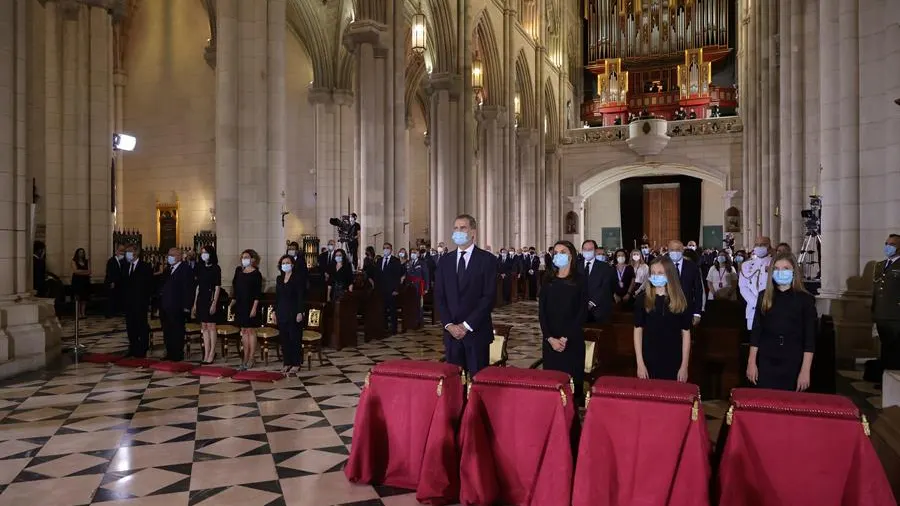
562, 311
247, 288
783, 338
81, 281
341, 278
662, 325
206, 300
290, 308
624, 288
369, 265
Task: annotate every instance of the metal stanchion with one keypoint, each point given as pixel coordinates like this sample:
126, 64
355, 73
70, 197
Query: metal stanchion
77, 348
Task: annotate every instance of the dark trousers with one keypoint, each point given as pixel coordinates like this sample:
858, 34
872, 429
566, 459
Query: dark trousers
390, 312
173, 333
138, 332
889, 335
507, 288
113, 301
353, 250
290, 332
467, 353
532, 286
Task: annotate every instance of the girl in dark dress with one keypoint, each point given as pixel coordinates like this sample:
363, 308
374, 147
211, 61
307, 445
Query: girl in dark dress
206, 300
247, 287
624, 288
562, 311
662, 325
783, 338
81, 281
341, 278
369, 265
290, 308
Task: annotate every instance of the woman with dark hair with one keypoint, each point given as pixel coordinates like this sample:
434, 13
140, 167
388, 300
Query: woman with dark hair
206, 300
562, 311
370, 267
662, 325
290, 307
341, 278
624, 288
247, 288
783, 339
81, 281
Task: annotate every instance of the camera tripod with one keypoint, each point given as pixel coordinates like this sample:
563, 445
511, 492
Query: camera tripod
810, 254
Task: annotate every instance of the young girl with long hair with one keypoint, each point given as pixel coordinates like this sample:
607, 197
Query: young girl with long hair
783, 338
247, 287
662, 325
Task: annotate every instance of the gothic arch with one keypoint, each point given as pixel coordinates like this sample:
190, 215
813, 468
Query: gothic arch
616, 171
550, 109
441, 44
526, 92
415, 71
486, 42
303, 21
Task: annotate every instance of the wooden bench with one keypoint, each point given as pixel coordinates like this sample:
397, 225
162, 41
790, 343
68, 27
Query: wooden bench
343, 320
408, 304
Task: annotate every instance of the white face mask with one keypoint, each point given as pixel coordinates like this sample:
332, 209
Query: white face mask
245, 262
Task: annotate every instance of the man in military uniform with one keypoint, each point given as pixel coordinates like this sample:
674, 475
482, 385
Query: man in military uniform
754, 275
886, 303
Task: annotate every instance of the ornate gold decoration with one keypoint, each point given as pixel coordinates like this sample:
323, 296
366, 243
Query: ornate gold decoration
587, 400
366, 382
865, 424
729, 416
440, 387
562, 395
695, 410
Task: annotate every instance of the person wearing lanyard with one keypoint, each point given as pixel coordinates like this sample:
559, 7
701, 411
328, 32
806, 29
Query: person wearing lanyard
624, 289
719, 280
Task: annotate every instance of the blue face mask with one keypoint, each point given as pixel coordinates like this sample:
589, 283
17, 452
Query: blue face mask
738, 259
170, 260
588, 255
601, 257
783, 277
721, 259
287, 267
645, 251
414, 256
460, 238
890, 250
386, 252
761, 251
129, 256
560, 260
658, 280
676, 256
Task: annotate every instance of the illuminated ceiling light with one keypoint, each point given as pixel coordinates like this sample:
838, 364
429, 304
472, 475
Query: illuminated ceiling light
124, 142
419, 32
477, 74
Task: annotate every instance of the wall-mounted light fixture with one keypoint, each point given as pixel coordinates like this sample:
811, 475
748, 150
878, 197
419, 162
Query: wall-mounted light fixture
419, 32
517, 107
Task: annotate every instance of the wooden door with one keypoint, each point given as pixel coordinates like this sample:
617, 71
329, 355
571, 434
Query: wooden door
662, 217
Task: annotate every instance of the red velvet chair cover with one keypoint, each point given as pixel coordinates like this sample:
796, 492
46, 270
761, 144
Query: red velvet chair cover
262, 376
404, 430
789, 448
644, 442
214, 371
101, 358
516, 438
173, 367
140, 363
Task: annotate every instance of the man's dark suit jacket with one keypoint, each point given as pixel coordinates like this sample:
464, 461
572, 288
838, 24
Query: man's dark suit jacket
324, 264
507, 266
114, 271
138, 286
600, 285
692, 285
387, 280
471, 303
535, 265
178, 289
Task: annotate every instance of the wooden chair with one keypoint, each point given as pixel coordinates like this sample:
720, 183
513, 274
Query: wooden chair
498, 354
192, 334
228, 332
267, 336
312, 334
592, 345
155, 326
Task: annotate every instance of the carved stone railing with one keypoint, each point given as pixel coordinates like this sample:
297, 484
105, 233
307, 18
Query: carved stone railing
683, 128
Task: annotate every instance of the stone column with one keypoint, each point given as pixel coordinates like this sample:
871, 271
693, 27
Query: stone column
363, 37
399, 170
445, 91
795, 48
847, 259
328, 204
510, 230
527, 194
774, 126
553, 160
58, 260
785, 193
99, 138
762, 116
29, 330
833, 280
490, 157
538, 226
276, 156
119, 81
891, 69
227, 209
750, 103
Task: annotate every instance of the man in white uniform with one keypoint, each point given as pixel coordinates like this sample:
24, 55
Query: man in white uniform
754, 275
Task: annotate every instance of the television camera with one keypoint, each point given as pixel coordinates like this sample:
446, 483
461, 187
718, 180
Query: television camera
343, 228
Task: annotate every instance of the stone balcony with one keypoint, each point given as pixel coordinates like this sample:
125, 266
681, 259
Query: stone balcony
684, 128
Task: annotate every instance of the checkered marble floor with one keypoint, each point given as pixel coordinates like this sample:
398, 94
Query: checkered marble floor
100, 434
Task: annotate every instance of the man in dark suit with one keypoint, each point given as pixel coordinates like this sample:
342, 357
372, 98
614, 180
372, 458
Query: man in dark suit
534, 267
115, 266
464, 294
599, 276
388, 279
886, 303
138, 288
506, 267
176, 301
691, 280
326, 258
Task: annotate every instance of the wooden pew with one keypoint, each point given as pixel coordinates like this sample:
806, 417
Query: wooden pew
372, 308
824, 367
408, 301
716, 357
498, 299
343, 321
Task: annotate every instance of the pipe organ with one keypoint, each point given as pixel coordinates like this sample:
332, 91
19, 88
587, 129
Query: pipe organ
665, 49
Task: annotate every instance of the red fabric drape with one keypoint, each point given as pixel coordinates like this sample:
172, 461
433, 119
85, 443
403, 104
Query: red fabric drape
799, 449
404, 430
642, 445
516, 439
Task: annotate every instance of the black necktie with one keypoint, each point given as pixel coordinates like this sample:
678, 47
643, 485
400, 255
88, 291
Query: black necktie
461, 268
131, 270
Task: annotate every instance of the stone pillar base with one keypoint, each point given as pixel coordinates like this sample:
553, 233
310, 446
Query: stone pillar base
30, 335
851, 311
